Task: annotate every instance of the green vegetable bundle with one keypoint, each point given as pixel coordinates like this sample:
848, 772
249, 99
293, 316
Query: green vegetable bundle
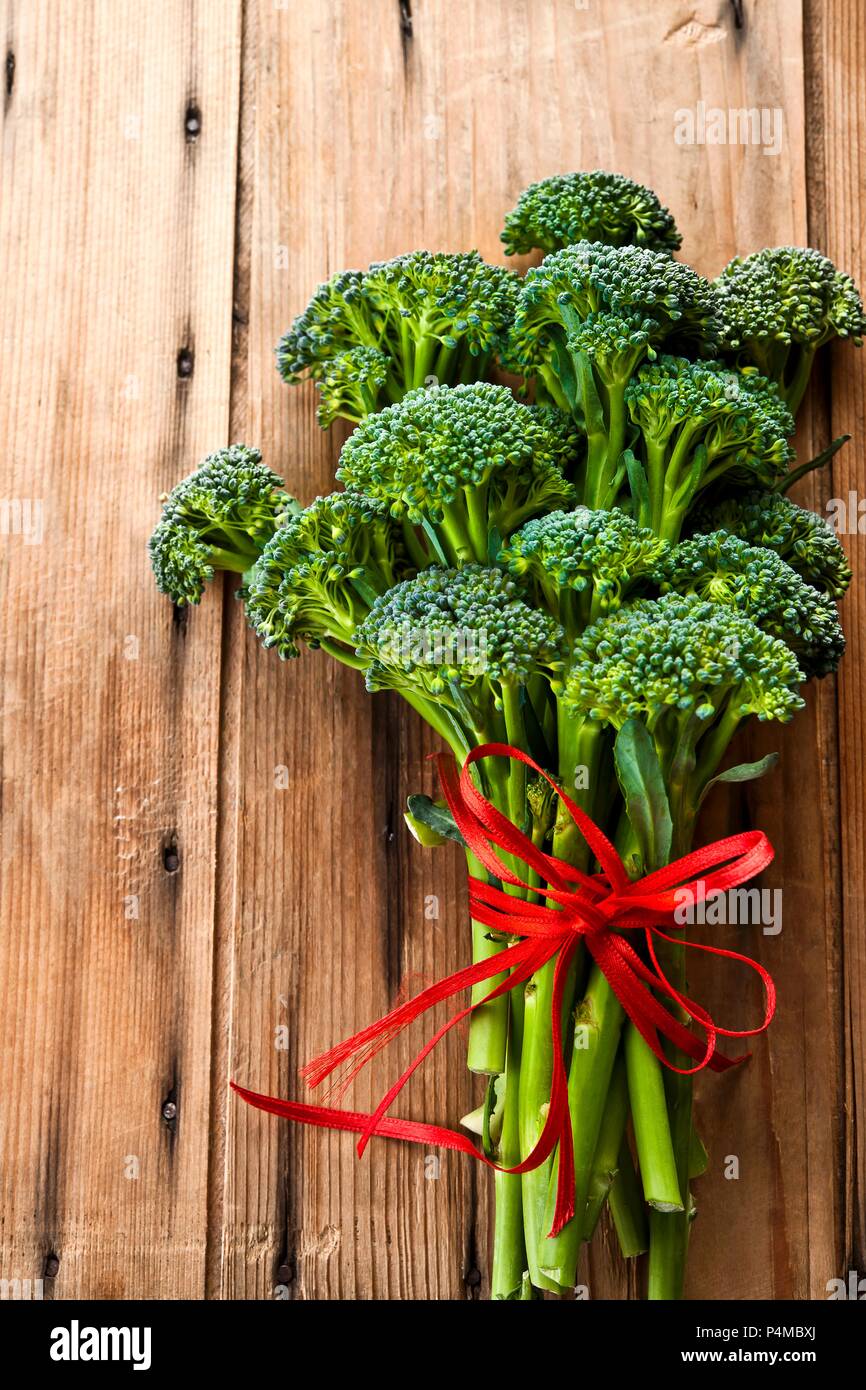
610, 578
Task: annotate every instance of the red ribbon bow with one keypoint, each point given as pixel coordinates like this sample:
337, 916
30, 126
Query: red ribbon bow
594, 909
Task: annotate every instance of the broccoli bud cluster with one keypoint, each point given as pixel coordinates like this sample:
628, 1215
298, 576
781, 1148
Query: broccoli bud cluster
699, 422
674, 657
582, 564
591, 206
779, 305
757, 582
803, 538
368, 337
218, 518
469, 462
319, 574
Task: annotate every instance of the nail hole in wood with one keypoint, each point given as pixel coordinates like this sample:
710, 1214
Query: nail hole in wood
192, 123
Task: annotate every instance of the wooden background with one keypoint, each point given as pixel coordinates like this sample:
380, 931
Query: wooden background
176, 178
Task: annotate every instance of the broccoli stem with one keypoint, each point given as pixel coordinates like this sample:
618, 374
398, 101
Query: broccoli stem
237, 561
509, 1251
656, 451
626, 1206
616, 440
606, 1157
417, 554
552, 392
795, 389
652, 1132
478, 523
488, 1023
669, 1231
425, 360
614, 1179
454, 531
580, 746
598, 1021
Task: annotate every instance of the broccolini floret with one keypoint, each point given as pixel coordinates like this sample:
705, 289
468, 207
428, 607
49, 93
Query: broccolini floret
219, 518
368, 337
586, 319
699, 422
691, 670
758, 583
320, 573
780, 305
467, 463
801, 537
588, 206
465, 639
583, 564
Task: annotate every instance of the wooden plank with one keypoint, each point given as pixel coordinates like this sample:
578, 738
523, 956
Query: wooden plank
117, 227
375, 131
836, 49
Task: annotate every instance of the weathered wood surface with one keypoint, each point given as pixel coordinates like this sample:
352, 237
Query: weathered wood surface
176, 178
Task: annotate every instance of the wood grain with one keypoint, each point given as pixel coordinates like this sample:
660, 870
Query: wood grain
116, 236
837, 49
175, 182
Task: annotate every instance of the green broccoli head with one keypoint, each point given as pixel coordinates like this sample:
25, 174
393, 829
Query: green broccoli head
592, 206
724, 569
468, 461
422, 316
801, 537
699, 421
583, 564
320, 573
219, 518
691, 670
780, 305
458, 637
351, 384
629, 289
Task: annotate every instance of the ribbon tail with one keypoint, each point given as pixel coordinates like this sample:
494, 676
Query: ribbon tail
363, 1046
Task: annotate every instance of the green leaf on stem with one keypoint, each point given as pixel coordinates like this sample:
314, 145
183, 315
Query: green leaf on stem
819, 461
638, 485
430, 822
743, 772
646, 802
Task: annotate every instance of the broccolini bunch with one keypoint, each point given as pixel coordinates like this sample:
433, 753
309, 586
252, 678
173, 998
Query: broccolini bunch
616, 556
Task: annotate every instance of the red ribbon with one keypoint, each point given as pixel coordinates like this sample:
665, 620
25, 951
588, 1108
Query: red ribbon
592, 908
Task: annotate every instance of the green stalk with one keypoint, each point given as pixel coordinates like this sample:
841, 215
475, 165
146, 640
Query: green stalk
669, 1231
646, 1088
537, 1065
476, 511
425, 357
237, 561
453, 528
509, 1242
509, 1252
616, 438
488, 1025
656, 451
580, 745
598, 1021
606, 1157
795, 389
417, 554
627, 1208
